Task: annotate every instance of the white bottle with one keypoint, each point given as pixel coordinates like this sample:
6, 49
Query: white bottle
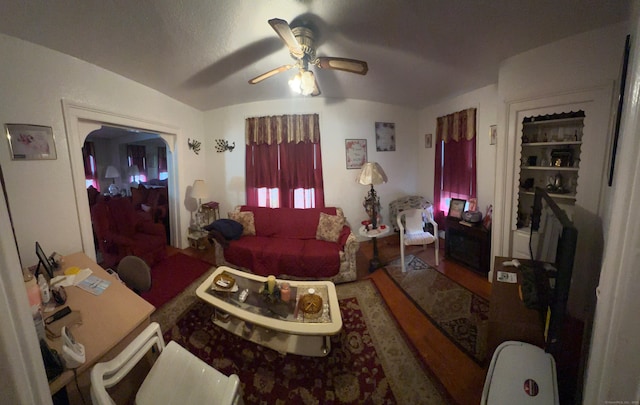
44, 289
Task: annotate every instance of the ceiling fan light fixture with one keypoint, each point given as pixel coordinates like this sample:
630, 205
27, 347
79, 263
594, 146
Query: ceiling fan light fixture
303, 83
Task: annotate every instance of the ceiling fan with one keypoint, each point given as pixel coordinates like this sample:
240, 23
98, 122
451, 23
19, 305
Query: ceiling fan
301, 44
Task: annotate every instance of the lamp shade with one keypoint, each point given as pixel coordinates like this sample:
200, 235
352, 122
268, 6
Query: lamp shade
111, 173
371, 173
134, 171
199, 190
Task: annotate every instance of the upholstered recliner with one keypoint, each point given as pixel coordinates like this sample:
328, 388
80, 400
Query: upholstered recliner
121, 231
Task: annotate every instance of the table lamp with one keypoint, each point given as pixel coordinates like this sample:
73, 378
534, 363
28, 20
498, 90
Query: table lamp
112, 173
372, 174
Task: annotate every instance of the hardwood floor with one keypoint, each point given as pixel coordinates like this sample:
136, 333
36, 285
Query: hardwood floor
460, 378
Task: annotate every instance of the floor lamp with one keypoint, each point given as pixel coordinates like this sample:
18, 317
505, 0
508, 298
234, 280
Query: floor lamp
372, 174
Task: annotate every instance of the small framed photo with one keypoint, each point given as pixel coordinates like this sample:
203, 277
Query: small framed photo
456, 207
31, 142
385, 136
428, 141
493, 135
356, 150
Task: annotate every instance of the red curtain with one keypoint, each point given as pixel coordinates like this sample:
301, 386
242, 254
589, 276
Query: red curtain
137, 155
455, 166
89, 160
162, 159
283, 153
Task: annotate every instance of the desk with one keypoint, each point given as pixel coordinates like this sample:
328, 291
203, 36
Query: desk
109, 321
374, 234
509, 318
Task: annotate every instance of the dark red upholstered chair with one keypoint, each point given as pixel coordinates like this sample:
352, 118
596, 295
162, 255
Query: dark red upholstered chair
121, 232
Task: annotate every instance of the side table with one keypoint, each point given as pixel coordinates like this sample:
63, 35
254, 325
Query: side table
197, 239
374, 234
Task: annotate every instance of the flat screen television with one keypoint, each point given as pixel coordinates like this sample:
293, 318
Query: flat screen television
557, 240
44, 261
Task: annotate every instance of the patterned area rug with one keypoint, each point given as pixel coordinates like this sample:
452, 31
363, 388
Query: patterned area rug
457, 312
370, 361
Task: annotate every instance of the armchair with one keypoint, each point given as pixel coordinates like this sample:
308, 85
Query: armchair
412, 224
121, 232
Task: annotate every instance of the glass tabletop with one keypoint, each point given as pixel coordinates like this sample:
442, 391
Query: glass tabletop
261, 304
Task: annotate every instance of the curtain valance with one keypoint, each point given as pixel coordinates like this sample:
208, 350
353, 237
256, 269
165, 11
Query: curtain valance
282, 129
457, 126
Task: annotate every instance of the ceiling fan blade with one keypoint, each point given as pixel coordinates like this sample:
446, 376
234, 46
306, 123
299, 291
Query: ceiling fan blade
347, 65
281, 27
270, 73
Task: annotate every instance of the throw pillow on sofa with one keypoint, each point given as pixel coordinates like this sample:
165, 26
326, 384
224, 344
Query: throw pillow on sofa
329, 227
246, 219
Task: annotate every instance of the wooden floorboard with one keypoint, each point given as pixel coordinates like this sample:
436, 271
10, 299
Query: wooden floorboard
456, 372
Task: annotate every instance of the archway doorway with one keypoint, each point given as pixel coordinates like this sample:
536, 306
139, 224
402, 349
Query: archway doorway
80, 121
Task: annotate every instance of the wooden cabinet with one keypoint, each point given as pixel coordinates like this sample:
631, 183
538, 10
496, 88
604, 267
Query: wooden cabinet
468, 245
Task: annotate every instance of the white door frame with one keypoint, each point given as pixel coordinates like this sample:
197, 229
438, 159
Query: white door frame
80, 120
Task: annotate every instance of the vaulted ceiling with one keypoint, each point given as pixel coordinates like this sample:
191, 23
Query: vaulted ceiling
203, 52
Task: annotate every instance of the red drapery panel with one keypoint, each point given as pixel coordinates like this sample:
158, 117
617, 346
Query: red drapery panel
455, 166
162, 159
137, 155
88, 157
283, 153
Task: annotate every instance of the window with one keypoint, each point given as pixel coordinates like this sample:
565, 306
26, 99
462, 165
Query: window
137, 156
163, 173
283, 161
455, 166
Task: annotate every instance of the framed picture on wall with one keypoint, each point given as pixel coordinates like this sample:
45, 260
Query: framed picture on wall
428, 141
493, 135
385, 136
356, 151
456, 207
31, 142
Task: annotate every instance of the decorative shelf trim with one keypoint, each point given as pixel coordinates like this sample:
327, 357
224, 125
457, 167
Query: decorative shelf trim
559, 143
551, 168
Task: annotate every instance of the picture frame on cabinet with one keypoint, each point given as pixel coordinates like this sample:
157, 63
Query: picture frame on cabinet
616, 131
456, 208
31, 142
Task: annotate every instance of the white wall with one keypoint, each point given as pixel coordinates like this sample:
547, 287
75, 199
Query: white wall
485, 100
339, 120
41, 194
583, 62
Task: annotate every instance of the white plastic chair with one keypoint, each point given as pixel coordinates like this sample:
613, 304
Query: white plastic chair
176, 377
411, 223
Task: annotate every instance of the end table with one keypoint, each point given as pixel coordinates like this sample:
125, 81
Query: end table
374, 234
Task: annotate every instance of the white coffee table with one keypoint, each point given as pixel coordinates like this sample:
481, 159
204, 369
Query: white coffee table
278, 326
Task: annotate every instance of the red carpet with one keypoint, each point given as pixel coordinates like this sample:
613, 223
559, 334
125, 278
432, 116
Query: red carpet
171, 276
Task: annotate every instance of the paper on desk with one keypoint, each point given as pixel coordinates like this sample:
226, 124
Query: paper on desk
507, 277
74, 279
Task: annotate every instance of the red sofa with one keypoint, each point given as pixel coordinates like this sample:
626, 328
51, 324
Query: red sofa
121, 231
285, 243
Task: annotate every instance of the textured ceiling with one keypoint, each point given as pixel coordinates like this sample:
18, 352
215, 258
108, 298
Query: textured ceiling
203, 52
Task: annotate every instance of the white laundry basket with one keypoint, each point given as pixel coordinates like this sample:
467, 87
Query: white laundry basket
520, 373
